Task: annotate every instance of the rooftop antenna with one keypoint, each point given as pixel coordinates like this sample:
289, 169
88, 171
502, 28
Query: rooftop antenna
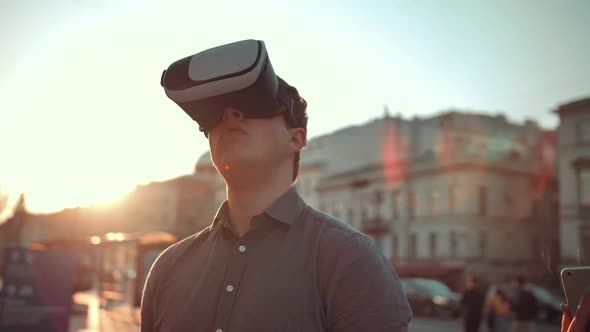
386, 113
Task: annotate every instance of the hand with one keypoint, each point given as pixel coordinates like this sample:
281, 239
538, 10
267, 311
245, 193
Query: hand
580, 320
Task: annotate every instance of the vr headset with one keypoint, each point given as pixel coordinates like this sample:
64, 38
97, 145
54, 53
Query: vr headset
237, 75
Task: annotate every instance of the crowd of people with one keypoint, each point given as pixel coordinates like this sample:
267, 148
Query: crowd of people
499, 313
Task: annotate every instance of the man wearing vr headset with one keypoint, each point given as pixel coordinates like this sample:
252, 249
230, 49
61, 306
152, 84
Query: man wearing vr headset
268, 261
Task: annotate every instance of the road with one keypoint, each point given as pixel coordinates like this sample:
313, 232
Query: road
420, 324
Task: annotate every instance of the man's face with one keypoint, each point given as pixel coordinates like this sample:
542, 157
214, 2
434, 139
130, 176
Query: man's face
245, 144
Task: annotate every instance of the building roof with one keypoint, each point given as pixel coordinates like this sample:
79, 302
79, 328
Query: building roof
580, 105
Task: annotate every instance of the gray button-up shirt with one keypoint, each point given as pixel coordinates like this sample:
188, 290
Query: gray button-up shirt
297, 269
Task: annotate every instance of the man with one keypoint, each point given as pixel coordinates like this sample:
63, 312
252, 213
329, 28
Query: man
472, 301
524, 307
268, 261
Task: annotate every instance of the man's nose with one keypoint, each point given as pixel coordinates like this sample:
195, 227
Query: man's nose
232, 114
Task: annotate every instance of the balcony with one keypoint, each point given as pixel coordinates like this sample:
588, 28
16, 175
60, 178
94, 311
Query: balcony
375, 226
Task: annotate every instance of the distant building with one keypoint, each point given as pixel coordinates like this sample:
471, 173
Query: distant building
574, 181
443, 196
119, 241
180, 207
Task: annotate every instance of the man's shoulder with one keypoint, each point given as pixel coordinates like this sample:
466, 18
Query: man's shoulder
169, 256
336, 234
329, 225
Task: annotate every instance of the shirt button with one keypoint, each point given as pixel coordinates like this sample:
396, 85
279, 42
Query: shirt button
242, 248
229, 288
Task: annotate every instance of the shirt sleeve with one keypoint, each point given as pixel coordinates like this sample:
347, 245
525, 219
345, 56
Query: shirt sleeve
364, 292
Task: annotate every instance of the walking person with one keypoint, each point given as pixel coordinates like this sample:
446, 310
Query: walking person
500, 307
472, 302
524, 307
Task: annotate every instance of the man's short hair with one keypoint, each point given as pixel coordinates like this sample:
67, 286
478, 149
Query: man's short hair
298, 119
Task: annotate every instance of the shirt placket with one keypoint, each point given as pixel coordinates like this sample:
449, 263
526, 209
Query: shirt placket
236, 266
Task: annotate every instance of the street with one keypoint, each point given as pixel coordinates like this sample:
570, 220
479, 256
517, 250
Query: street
125, 319
420, 324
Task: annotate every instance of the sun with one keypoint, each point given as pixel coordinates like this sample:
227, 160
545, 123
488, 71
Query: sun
55, 194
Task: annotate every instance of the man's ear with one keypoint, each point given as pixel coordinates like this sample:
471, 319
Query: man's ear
298, 139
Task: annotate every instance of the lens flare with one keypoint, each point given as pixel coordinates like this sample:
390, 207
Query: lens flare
393, 166
542, 180
444, 153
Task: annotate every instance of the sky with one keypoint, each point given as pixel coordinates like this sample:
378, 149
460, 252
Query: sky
83, 118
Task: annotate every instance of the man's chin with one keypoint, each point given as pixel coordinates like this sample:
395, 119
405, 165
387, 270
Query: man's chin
233, 166
243, 170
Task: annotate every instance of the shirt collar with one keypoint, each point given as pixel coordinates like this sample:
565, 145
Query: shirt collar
285, 209
222, 214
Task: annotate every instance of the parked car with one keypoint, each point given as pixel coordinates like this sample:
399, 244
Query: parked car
430, 297
548, 302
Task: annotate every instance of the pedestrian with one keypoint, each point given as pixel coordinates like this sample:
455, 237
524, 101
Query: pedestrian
472, 302
500, 306
268, 261
524, 307
490, 319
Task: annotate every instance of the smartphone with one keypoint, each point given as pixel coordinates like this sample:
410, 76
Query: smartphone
575, 281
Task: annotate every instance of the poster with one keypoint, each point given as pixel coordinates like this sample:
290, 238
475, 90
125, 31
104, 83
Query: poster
37, 290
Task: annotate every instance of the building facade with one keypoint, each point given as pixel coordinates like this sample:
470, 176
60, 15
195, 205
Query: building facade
574, 181
443, 196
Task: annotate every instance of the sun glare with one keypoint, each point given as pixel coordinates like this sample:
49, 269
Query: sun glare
53, 198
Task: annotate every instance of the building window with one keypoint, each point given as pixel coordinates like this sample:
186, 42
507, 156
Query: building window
432, 245
395, 205
483, 201
585, 187
364, 213
378, 200
583, 131
453, 244
483, 244
301, 185
453, 200
536, 248
508, 201
308, 186
351, 216
434, 203
411, 205
394, 246
379, 242
413, 248
378, 197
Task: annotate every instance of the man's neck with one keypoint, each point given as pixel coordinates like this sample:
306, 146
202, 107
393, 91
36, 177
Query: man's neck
249, 200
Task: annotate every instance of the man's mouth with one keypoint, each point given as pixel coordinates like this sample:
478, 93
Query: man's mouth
234, 130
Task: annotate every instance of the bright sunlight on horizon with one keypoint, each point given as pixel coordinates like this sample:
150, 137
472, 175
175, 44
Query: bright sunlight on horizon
84, 118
